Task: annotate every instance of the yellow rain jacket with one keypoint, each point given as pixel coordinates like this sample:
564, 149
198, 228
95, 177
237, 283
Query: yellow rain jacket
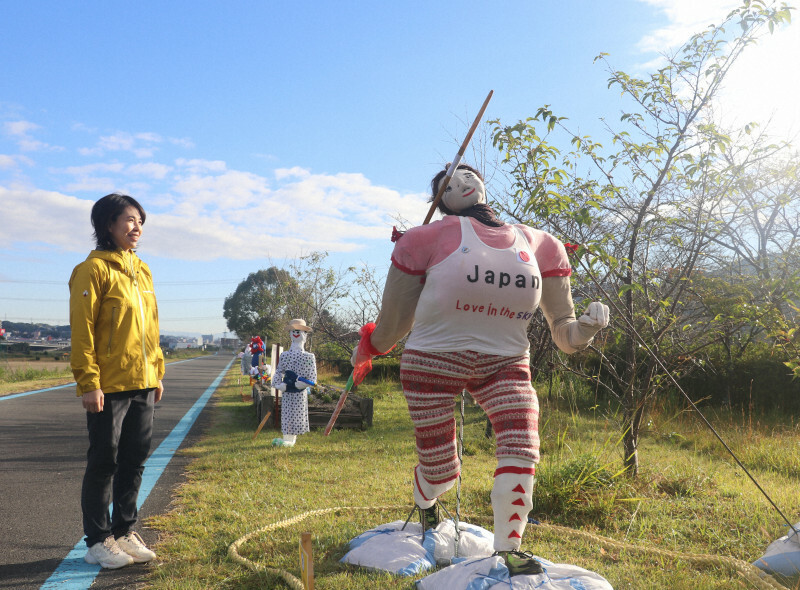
114, 320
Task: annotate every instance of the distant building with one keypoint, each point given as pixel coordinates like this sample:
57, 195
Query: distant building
177, 342
208, 339
230, 343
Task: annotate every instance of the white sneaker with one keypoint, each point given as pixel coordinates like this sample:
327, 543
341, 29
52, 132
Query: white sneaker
133, 545
108, 554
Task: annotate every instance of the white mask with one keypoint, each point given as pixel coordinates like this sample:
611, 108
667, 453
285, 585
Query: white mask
297, 338
464, 190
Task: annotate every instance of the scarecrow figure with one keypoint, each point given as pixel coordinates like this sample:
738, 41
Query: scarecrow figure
256, 350
468, 285
246, 360
296, 370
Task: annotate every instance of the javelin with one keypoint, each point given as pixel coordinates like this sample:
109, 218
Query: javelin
451, 170
351, 382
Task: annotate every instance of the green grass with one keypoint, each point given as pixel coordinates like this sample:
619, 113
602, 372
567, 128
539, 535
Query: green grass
689, 498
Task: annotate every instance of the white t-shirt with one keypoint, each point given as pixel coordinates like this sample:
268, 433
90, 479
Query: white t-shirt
478, 298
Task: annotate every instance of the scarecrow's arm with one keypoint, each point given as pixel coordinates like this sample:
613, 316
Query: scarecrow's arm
400, 297
569, 334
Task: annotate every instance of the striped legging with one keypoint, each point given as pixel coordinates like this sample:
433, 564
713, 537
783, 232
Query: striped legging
500, 385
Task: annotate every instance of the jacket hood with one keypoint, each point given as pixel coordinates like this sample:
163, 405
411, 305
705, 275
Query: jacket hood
123, 259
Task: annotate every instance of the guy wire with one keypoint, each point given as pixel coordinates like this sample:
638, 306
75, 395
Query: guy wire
686, 395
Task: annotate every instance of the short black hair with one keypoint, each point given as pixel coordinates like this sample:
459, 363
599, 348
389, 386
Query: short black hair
105, 212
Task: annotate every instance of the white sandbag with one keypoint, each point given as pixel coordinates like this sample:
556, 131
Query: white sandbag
401, 552
487, 572
782, 556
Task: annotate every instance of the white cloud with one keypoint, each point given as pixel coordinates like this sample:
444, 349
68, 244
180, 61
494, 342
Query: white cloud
21, 132
198, 166
214, 212
45, 216
295, 172
762, 86
149, 170
141, 145
20, 128
8, 162
685, 18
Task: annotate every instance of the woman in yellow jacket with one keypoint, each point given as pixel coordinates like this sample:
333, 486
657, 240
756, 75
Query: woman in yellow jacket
118, 366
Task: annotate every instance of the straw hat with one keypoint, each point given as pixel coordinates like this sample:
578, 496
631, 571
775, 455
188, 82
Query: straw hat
298, 325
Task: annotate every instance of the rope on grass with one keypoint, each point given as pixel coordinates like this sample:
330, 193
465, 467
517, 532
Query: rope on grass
758, 578
751, 573
292, 581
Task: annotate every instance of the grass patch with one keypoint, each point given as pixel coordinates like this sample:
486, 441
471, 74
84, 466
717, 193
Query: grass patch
689, 497
18, 374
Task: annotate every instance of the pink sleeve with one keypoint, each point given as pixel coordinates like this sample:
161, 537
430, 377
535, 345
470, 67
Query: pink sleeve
423, 246
549, 251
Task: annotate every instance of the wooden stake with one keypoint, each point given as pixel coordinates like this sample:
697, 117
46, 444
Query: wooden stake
306, 561
260, 426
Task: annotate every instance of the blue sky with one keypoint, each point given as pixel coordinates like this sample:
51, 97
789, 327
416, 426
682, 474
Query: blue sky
256, 131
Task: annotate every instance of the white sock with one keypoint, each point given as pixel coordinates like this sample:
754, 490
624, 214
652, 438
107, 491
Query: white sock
511, 502
425, 493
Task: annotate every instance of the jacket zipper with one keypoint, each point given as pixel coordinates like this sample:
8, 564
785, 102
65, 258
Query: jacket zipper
144, 323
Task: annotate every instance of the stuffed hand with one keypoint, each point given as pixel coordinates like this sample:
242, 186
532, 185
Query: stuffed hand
359, 356
280, 386
290, 378
595, 316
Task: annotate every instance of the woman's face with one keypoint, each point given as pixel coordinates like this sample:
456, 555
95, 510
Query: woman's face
464, 191
127, 229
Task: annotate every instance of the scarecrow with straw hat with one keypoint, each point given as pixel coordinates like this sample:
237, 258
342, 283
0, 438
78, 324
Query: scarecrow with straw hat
296, 370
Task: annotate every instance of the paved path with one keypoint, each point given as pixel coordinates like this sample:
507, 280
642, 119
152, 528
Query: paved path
43, 444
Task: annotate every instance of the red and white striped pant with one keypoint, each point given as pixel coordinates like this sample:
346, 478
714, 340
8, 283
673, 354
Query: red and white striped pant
500, 385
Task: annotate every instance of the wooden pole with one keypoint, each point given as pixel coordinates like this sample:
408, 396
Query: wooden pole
340, 404
260, 426
439, 193
306, 561
450, 171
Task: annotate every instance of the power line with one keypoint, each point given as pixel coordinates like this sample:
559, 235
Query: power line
159, 300
157, 283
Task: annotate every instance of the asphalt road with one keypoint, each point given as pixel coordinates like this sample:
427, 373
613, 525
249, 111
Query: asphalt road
43, 445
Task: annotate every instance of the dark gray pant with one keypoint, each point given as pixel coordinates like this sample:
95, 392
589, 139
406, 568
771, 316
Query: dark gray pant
119, 442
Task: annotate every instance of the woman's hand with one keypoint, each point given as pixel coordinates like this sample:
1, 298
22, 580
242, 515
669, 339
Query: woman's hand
93, 401
158, 392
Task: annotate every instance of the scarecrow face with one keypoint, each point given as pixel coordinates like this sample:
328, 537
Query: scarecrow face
297, 336
464, 190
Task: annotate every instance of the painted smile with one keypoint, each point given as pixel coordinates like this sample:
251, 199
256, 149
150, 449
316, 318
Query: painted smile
469, 193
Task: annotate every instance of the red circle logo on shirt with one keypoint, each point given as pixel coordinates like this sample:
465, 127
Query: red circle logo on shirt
524, 257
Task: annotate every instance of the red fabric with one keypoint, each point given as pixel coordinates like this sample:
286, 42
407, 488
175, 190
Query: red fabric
515, 470
365, 353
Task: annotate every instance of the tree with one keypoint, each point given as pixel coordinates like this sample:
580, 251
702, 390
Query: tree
646, 210
317, 298
267, 299
257, 306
